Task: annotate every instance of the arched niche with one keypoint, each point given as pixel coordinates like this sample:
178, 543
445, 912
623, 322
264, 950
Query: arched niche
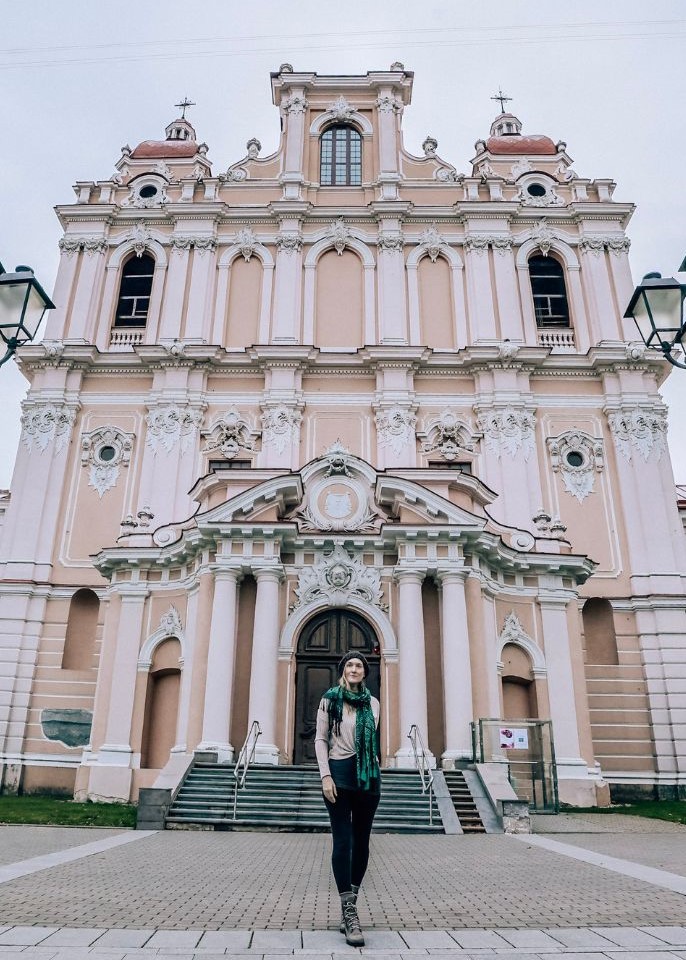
161, 705
82, 624
600, 638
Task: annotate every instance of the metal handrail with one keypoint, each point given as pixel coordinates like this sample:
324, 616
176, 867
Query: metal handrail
245, 758
423, 765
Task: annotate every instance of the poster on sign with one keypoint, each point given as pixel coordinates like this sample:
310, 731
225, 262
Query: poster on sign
521, 739
507, 741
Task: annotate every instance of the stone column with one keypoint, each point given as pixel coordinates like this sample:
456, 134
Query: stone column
264, 666
220, 664
111, 774
411, 664
288, 283
457, 671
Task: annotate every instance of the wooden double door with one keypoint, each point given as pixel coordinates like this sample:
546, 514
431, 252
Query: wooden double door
322, 643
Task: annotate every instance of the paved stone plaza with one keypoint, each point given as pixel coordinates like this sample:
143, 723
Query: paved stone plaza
588, 886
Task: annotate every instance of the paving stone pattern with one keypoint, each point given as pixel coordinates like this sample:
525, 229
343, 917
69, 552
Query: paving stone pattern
22, 842
612, 823
195, 881
662, 851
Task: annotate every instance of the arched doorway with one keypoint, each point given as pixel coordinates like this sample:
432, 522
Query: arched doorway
323, 641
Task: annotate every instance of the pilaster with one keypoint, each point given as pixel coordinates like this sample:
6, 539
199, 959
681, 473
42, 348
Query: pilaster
264, 667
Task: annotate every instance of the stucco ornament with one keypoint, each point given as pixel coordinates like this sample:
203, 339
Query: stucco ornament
230, 435
577, 457
247, 242
543, 236
281, 427
448, 435
640, 430
389, 104
170, 622
507, 351
395, 427
201, 245
430, 146
449, 175
294, 104
339, 233
104, 451
88, 245
253, 146
140, 237
337, 457
598, 243
477, 243
134, 198
337, 576
431, 241
514, 632
289, 243
549, 199
390, 242
341, 109
171, 425
236, 175
485, 169
519, 168
43, 423
508, 430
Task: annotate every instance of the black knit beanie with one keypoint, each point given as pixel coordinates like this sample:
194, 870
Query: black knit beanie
353, 655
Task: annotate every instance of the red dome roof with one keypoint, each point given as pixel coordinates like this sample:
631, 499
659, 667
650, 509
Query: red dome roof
516, 144
152, 149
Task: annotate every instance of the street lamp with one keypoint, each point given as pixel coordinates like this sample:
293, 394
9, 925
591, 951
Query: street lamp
22, 305
657, 308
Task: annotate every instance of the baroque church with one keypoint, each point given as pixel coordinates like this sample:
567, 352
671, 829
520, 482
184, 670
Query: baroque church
345, 396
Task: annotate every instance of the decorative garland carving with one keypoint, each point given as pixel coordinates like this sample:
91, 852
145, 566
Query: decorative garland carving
89, 245
201, 244
43, 423
480, 243
289, 243
389, 104
336, 577
294, 104
390, 242
448, 435
104, 450
598, 243
141, 237
508, 430
543, 236
577, 457
340, 233
395, 427
280, 426
247, 243
171, 424
431, 241
230, 434
639, 429
341, 110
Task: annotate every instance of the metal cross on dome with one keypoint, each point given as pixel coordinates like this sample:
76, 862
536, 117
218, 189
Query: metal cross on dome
185, 103
501, 96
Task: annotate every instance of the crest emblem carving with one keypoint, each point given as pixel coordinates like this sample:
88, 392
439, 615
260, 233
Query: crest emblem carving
336, 577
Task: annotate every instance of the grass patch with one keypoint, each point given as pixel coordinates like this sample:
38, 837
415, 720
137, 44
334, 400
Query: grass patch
672, 810
57, 812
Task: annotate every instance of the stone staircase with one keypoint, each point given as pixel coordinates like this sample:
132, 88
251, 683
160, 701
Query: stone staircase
288, 798
464, 804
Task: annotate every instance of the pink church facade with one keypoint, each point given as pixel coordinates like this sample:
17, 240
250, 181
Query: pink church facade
341, 396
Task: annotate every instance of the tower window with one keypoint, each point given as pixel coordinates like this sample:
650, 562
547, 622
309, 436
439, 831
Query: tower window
341, 157
549, 292
134, 292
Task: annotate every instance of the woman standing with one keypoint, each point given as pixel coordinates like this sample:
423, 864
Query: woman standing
345, 744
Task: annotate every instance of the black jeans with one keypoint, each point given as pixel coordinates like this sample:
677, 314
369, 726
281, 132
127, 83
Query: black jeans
351, 816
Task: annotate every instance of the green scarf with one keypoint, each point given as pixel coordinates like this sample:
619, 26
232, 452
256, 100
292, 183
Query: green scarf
365, 730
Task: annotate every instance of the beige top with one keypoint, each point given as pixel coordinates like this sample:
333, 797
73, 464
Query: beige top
331, 747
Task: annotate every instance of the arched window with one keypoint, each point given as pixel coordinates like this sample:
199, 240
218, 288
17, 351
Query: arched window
341, 157
134, 292
549, 291
599, 632
79, 642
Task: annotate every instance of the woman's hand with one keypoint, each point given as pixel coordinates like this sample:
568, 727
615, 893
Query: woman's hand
329, 789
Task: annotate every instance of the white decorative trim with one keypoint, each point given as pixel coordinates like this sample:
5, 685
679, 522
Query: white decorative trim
480, 243
337, 576
170, 424
395, 427
513, 632
70, 245
447, 434
543, 236
170, 627
235, 174
294, 104
639, 429
578, 479
230, 434
103, 474
341, 109
289, 243
370, 611
519, 168
201, 244
390, 242
339, 234
389, 104
247, 243
280, 427
449, 175
508, 430
431, 242
598, 243
44, 422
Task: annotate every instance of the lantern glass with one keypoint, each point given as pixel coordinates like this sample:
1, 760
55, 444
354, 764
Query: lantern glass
664, 309
23, 303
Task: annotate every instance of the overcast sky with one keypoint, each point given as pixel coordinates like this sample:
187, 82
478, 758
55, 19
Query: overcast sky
80, 78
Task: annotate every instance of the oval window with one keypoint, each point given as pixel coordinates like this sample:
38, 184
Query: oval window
534, 190
575, 459
105, 454
147, 191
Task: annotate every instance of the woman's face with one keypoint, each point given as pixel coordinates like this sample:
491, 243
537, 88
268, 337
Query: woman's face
353, 671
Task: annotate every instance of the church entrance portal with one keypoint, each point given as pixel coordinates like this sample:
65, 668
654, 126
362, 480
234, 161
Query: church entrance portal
322, 643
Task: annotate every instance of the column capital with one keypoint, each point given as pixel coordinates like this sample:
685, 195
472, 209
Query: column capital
558, 600
275, 573
221, 572
452, 574
409, 575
